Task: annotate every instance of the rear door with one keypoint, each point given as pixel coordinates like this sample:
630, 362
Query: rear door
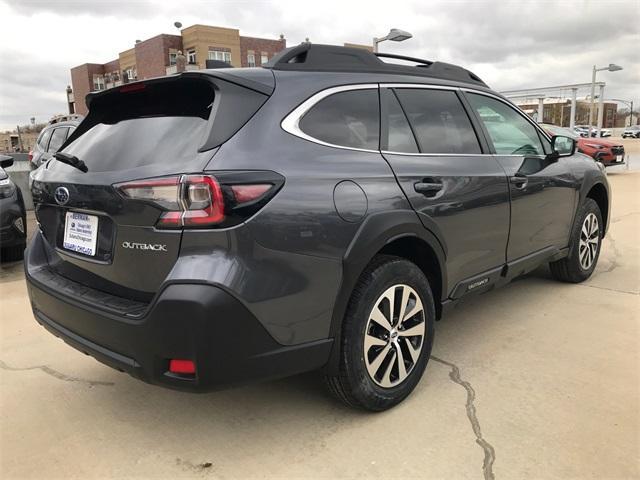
543, 189
459, 191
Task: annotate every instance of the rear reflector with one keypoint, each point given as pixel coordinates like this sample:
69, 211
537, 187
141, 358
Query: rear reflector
182, 367
249, 193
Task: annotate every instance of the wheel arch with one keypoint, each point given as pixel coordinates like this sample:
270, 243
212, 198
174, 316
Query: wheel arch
398, 233
600, 194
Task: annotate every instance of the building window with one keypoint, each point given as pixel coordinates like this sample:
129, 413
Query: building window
264, 58
220, 55
130, 74
98, 82
191, 57
172, 58
251, 59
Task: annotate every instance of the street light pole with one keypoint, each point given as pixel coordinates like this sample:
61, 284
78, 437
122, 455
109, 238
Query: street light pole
612, 67
395, 35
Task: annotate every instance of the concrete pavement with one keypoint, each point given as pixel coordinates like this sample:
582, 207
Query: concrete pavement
536, 380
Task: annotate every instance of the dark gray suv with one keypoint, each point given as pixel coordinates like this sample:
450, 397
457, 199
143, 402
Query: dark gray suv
224, 226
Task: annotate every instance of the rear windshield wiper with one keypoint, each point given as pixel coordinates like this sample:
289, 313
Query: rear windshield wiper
71, 160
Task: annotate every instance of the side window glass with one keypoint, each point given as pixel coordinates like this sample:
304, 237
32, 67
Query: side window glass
399, 135
348, 119
439, 121
71, 129
510, 132
57, 139
43, 140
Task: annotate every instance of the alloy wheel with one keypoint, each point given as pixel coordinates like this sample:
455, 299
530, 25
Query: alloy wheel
589, 241
394, 335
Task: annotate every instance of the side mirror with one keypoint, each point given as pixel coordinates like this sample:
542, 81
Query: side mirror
563, 146
6, 161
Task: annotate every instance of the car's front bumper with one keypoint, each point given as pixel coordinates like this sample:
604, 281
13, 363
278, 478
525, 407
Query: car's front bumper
197, 322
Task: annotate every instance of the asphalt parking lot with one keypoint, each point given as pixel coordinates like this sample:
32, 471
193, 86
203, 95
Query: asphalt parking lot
536, 380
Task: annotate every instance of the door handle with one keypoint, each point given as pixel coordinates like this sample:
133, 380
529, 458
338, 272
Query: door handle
519, 180
428, 187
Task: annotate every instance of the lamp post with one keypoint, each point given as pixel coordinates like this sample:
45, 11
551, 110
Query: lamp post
629, 103
395, 35
612, 67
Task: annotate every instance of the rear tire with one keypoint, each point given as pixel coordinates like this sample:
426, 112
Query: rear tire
584, 250
380, 366
12, 254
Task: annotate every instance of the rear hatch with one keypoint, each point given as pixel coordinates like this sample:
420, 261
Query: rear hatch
117, 227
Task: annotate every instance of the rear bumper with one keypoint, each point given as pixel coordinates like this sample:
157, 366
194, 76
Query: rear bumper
197, 322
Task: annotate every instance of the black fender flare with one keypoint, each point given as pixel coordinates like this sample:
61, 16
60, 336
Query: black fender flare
591, 179
374, 233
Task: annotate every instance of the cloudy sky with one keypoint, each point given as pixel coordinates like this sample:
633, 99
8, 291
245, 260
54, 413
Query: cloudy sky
511, 45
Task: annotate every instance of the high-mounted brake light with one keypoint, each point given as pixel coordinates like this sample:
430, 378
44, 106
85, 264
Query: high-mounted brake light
200, 201
134, 87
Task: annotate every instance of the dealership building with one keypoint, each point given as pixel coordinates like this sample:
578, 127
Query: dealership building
157, 57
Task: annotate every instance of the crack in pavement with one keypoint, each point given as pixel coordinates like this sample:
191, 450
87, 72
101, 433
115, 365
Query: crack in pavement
489, 451
54, 373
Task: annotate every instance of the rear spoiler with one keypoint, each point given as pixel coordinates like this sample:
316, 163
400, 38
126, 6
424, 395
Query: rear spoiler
236, 100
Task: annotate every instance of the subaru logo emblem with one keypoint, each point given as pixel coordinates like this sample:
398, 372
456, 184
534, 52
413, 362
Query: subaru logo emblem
61, 195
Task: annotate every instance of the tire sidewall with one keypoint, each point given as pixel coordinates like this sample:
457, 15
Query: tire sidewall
589, 206
372, 285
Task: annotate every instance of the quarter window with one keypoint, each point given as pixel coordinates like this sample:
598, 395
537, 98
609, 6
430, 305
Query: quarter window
509, 131
347, 119
43, 140
439, 121
57, 139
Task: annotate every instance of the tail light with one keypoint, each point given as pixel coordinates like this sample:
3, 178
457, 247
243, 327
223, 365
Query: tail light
200, 201
30, 155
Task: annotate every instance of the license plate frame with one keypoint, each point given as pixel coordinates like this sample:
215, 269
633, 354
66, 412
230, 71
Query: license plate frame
81, 233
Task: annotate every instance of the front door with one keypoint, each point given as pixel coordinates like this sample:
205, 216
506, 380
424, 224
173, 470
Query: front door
543, 188
459, 191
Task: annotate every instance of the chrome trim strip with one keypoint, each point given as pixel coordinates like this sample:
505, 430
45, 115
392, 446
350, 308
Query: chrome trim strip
419, 85
291, 122
439, 154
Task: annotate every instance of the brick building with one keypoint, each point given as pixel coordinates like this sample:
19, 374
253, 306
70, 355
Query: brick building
156, 57
557, 111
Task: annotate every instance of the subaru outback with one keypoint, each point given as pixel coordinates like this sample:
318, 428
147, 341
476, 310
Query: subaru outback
225, 226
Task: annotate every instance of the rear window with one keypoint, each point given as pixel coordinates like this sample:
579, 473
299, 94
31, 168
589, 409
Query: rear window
347, 119
161, 122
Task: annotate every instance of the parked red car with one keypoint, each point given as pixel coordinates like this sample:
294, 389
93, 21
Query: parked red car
607, 152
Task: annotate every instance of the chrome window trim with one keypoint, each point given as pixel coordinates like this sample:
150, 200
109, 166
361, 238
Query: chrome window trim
291, 123
390, 152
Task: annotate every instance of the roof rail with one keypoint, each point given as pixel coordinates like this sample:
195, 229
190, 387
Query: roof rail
333, 58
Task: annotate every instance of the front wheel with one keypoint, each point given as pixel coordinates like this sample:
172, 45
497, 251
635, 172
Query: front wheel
584, 250
386, 337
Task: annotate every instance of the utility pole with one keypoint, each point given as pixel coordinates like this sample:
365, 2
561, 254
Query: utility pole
19, 138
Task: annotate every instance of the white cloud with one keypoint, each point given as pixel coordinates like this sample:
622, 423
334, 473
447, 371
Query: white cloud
508, 44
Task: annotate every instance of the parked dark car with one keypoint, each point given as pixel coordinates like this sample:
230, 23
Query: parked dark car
224, 226
13, 216
631, 132
51, 139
